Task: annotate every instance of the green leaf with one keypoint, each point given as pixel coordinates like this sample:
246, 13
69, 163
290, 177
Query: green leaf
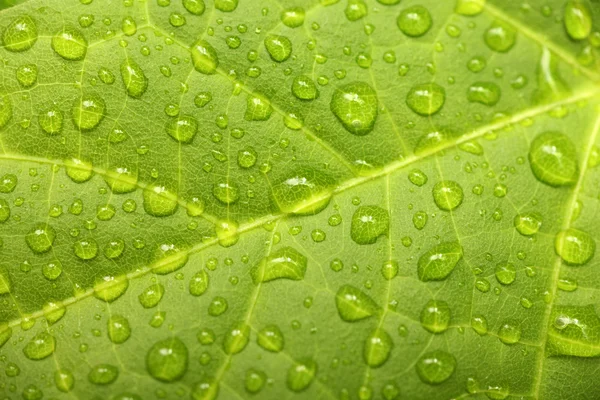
311, 199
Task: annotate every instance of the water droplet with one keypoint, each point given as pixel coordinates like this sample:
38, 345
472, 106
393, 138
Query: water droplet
40, 346
420, 219
258, 108
479, 324
103, 374
167, 360
226, 6
306, 191
574, 331
118, 329
389, 270
304, 88
355, 10
129, 26
202, 99
553, 159
255, 380
377, 348
110, 288
574, 246
435, 316
86, 249
293, 17
206, 389
226, 192
437, 263
426, 99
159, 201
134, 79
469, 7
500, 37
79, 171
64, 380
509, 333
88, 112
278, 47
578, 19
414, 21
183, 128
505, 273
486, 93
152, 295
447, 195
236, 338
70, 44
20, 35
368, 224
355, 106
301, 374
199, 283
41, 238
195, 7
285, 263
435, 367
169, 258
204, 57
27, 75
353, 304
121, 180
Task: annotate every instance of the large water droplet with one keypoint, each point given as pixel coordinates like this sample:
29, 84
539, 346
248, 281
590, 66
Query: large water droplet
285, 263
206, 389
553, 159
368, 223
226, 192
198, 283
40, 346
293, 17
159, 201
378, 347
305, 191
414, 21
301, 374
121, 180
435, 316
50, 120
134, 79
500, 36
304, 88
20, 35
469, 7
167, 360
183, 128
578, 19
27, 75
426, 99
41, 238
226, 5
437, 263
103, 374
169, 258
528, 224
255, 380
270, 338
435, 367
505, 273
486, 93
88, 111
118, 329
574, 246
278, 47
70, 44
258, 108
204, 57
355, 106
509, 333
447, 195
195, 7
79, 171
64, 380
353, 304
236, 338
152, 295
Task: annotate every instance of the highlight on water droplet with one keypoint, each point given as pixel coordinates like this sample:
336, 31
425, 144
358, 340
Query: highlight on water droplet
271, 338
528, 223
486, 93
258, 108
41, 238
236, 338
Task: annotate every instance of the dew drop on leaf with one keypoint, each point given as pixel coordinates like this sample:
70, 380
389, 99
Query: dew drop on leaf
226, 5
64, 380
553, 159
118, 329
437, 263
578, 19
353, 304
20, 35
206, 389
486, 93
70, 44
301, 374
183, 128
368, 224
27, 75
377, 348
79, 171
258, 108
304, 88
469, 7
285, 263
41, 237
293, 17
152, 295
447, 195
169, 258
103, 374
134, 79
574, 246
86, 249
270, 338
435, 367
500, 36
509, 333
204, 57
305, 191
110, 288
355, 106
505, 273
40, 346
254, 380
414, 21
121, 180
236, 338
278, 47
435, 316
198, 283
167, 360
195, 7
426, 99
88, 112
